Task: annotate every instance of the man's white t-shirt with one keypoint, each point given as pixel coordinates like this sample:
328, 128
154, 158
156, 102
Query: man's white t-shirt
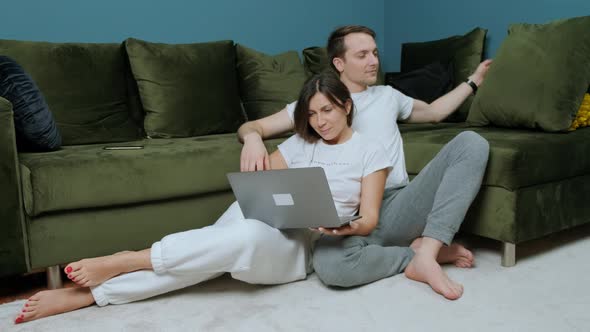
345, 165
376, 112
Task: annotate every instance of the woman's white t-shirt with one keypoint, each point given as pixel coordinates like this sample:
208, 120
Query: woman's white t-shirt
345, 165
376, 113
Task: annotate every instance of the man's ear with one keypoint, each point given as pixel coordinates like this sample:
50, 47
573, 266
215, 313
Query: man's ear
339, 64
348, 106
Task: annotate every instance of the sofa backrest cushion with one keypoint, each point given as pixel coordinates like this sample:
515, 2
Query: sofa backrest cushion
465, 52
268, 83
315, 60
35, 129
427, 83
85, 86
538, 77
186, 89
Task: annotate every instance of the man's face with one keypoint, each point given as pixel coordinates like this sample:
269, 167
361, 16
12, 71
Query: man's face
360, 63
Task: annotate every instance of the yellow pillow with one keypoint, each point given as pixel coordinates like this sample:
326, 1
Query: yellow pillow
583, 117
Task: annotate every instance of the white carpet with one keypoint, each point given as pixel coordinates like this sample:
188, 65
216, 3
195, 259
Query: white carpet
547, 290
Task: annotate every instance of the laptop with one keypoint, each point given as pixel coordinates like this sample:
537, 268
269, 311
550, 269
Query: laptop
287, 198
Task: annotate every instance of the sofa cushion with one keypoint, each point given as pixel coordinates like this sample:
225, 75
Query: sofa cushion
187, 89
87, 176
85, 86
268, 83
538, 78
518, 158
315, 60
427, 83
465, 52
35, 129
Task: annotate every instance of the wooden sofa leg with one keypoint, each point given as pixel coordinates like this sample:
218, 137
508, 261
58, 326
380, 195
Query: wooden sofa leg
54, 277
508, 254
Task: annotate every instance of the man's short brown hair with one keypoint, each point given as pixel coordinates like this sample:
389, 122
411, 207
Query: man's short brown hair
336, 47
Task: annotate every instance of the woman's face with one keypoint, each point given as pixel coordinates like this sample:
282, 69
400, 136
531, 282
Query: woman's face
329, 120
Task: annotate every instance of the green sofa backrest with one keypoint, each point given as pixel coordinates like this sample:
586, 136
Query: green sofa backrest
88, 87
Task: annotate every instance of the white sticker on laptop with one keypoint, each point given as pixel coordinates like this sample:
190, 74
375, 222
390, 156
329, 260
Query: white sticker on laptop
283, 199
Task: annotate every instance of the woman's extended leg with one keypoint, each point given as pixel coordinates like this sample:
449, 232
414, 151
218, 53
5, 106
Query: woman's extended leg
94, 271
249, 249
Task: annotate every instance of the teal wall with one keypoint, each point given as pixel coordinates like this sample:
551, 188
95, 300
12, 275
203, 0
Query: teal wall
422, 20
273, 26
267, 25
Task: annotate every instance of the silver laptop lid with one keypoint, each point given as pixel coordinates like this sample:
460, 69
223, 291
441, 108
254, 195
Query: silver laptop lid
288, 198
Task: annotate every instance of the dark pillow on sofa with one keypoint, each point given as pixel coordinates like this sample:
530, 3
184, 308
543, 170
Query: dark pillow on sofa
465, 52
268, 83
427, 83
538, 78
315, 60
33, 122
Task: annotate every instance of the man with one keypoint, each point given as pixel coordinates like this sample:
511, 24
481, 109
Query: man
418, 219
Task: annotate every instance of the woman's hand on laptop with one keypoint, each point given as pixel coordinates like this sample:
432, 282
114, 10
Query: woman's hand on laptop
350, 229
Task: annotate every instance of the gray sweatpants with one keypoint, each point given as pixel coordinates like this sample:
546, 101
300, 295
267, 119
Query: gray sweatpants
433, 204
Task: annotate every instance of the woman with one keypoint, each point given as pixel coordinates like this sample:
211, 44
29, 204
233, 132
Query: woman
249, 249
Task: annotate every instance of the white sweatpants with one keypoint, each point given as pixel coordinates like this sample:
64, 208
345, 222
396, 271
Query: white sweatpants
249, 249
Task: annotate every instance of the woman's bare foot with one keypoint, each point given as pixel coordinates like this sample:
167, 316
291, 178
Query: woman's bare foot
455, 253
53, 302
425, 269
94, 271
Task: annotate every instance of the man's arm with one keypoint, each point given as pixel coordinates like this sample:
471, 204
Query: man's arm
441, 108
254, 155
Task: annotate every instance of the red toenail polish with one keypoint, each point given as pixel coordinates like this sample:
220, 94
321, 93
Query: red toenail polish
68, 269
69, 276
26, 304
18, 320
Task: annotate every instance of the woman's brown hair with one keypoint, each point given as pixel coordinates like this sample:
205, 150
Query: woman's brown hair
329, 85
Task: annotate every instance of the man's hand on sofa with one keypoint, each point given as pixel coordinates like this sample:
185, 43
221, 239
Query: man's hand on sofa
479, 75
254, 156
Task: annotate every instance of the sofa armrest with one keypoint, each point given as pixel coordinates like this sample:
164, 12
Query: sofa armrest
13, 248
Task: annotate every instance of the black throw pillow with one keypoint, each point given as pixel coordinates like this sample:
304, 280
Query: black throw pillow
426, 83
35, 128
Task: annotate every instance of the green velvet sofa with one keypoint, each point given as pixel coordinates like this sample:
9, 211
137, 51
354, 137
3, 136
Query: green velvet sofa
535, 184
85, 201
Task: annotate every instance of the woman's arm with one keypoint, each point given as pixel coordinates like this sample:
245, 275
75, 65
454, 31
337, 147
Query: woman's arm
277, 161
372, 187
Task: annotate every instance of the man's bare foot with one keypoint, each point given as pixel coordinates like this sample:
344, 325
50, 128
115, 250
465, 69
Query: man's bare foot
455, 253
425, 269
53, 302
94, 271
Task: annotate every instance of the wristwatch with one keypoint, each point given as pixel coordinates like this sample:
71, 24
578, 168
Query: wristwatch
472, 85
